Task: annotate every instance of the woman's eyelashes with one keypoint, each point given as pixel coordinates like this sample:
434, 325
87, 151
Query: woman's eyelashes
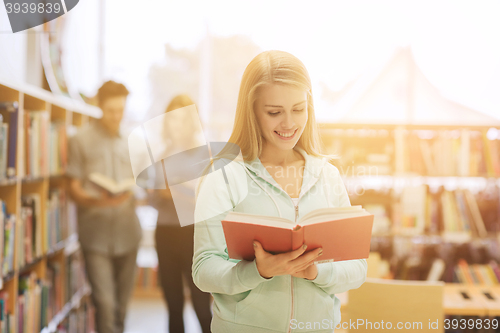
278, 112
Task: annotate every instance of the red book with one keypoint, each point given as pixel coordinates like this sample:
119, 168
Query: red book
344, 233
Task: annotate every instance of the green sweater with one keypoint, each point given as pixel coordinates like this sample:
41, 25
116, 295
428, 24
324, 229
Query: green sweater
244, 301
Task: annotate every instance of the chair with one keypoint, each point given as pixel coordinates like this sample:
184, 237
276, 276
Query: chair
412, 305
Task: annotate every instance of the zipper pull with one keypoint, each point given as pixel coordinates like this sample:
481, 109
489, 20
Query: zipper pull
296, 212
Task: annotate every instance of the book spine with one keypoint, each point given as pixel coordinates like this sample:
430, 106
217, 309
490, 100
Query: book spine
12, 142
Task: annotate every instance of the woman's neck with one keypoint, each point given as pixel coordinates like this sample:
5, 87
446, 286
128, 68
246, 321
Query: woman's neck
278, 157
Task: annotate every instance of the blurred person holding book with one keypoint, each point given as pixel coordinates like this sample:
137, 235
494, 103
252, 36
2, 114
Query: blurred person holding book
284, 174
174, 243
108, 227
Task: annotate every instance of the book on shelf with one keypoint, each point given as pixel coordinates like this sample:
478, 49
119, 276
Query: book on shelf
74, 275
31, 211
36, 129
6, 315
57, 148
10, 112
110, 185
4, 136
344, 233
437, 270
30, 303
54, 280
8, 240
56, 228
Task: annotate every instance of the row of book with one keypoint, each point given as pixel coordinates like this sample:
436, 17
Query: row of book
36, 239
8, 138
75, 275
486, 274
453, 214
40, 299
147, 278
361, 152
448, 153
45, 150
44, 147
80, 320
458, 152
427, 257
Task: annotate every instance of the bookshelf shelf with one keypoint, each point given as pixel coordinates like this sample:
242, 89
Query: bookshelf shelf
71, 305
434, 190
40, 258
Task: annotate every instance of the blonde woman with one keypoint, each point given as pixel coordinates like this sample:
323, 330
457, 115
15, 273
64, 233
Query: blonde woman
286, 175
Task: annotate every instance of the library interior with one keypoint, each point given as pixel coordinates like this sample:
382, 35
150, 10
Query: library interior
406, 100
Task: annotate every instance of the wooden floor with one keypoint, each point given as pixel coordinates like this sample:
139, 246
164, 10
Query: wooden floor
149, 315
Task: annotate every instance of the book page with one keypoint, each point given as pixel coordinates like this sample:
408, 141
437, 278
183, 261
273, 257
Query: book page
328, 214
109, 184
272, 221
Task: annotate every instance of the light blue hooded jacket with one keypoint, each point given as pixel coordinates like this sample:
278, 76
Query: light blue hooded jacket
244, 301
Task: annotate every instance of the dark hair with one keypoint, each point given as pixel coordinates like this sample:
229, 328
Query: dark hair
111, 89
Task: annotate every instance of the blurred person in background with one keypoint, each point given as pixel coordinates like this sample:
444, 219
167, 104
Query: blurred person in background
108, 227
174, 244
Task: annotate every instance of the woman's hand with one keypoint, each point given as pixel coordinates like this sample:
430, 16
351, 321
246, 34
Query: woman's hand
310, 273
288, 263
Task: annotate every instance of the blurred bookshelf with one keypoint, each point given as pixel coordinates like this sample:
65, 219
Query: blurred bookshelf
42, 283
434, 191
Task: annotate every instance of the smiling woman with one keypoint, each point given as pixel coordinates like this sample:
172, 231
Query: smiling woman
276, 130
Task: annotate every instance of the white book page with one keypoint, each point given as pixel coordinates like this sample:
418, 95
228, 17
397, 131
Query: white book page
333, 213
109, 184
326, 218
272, 221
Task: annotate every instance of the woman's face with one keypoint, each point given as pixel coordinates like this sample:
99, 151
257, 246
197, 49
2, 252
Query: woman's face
281, 112
180, 129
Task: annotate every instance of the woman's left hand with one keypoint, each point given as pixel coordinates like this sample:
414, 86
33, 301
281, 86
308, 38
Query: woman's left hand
310, 273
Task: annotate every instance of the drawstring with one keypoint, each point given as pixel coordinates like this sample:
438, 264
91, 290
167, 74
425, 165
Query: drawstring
277, 207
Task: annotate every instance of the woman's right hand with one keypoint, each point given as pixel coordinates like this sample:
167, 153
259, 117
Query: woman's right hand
288, 263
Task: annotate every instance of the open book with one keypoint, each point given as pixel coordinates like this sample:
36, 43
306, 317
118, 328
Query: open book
110, 185
344, 233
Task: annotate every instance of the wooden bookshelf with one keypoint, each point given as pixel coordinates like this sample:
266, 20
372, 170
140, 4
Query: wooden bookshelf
457, 165
56, 252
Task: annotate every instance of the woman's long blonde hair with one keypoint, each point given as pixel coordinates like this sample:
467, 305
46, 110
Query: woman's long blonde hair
272, 67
